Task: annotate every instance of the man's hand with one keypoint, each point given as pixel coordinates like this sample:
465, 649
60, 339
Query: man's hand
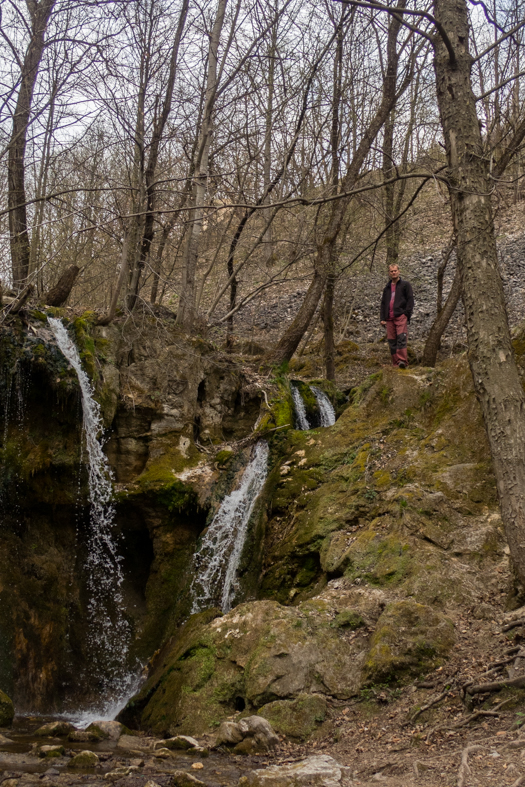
383, 322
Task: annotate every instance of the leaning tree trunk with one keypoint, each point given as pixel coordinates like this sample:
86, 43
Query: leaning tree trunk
439, 325
59, 294
491, 358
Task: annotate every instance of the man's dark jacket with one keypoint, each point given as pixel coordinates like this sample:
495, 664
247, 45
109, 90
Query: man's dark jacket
403, 302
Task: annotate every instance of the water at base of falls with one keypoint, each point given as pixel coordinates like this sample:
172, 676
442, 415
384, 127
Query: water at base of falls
108, 631
326, 410
217, 561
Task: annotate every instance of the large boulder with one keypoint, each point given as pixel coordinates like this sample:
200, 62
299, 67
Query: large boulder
251, 735
317, 771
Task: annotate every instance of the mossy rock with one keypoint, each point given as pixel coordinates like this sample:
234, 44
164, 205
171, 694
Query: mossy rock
84, 759
298, 718
7, 710
258, 653
410, 638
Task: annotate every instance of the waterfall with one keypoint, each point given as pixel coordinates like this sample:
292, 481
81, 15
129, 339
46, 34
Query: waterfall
326, 410
108, 632
217, 561
300, 411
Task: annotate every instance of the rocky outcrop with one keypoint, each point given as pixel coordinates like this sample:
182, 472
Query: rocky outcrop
380, 530
161, 395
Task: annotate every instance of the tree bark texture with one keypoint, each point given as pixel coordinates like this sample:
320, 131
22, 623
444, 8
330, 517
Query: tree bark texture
491, 358
59, 294
18, 230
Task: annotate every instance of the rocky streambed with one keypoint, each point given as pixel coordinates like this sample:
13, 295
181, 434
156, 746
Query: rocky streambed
105, 754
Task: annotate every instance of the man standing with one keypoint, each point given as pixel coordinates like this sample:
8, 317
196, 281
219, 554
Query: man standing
397, 304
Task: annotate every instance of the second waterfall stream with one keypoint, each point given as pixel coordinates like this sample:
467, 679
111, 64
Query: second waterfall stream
217, 560
109, 633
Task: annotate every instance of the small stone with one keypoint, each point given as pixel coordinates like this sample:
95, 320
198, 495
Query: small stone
180, 742
183, 779
84, 759
163, 754
3, 740
120, 772
197, 766
10, 783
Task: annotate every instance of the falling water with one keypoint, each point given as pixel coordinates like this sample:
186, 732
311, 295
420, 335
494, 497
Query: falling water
108, 632
326, 410
218, 558
300, 411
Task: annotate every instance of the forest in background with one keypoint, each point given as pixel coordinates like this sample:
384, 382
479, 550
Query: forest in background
191, 154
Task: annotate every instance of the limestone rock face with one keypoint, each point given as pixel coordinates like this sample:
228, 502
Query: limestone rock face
7, 710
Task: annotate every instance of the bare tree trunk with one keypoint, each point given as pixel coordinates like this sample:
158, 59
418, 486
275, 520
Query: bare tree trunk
59, 294
492, 362
328, 304
153, 157
267, 162
19, 235
186, 311
439, 325
328, 320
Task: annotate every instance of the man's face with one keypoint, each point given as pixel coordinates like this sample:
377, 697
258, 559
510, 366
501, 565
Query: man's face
393, 272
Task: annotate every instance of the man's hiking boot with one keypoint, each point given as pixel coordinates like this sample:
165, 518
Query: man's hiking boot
402, 365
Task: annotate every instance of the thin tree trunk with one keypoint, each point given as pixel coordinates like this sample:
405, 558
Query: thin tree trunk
153, 157
186, 311
18, 230
328, 304
439, 325
494, 371
328, 320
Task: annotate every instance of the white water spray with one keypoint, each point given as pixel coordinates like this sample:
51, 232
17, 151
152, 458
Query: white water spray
109, 632
217, 561
302, 422
326, 410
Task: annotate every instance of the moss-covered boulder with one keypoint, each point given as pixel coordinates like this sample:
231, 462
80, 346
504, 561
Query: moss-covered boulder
84, 759
280, 661
7, 710
55, 729
409, 638
298, 718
